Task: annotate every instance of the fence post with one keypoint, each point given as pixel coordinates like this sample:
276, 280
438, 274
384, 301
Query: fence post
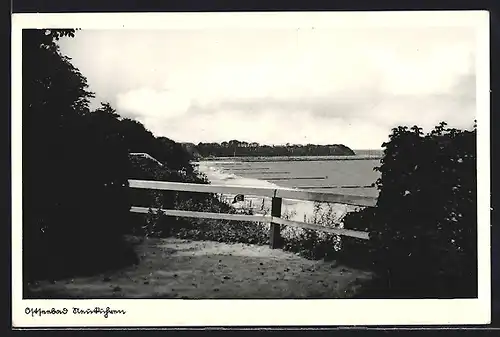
274, 230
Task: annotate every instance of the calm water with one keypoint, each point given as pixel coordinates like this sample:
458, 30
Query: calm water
330, 175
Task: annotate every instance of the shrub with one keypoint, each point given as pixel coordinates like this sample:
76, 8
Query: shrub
423, 230
358, 252
74, 169
227, 231
314, 244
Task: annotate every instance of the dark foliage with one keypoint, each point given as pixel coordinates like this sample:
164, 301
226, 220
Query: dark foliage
311, 244
423, 232
356, 252
221, 231
74, 168
168, 152
244, 149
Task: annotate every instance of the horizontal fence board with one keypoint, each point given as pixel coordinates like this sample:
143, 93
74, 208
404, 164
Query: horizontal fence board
205, 215
258, 191
338, 231
187, 187
355, 200
334, 186
296, 178
264, 172
250, 169
253, 218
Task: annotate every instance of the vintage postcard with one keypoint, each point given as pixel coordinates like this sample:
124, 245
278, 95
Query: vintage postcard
250, 169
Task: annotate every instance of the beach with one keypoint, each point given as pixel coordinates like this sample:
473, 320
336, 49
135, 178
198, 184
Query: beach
351, 177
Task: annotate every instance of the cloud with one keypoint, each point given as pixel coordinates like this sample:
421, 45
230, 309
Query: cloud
359, 118
321, 86
152, 103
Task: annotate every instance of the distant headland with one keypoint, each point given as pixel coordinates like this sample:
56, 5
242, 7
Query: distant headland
236, 148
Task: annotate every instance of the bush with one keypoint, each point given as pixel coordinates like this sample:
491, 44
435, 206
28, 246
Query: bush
313, 244
74, 169
223, 231
357, 252
423, 232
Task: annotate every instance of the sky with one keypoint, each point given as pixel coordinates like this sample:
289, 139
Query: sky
275, 86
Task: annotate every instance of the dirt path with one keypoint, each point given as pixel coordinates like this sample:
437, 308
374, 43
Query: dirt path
174, 268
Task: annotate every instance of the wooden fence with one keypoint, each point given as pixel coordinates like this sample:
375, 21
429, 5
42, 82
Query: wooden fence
276, 196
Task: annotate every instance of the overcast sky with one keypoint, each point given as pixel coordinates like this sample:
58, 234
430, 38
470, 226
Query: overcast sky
303, 85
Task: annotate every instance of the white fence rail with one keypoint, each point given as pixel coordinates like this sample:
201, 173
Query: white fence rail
276, 194
284, 193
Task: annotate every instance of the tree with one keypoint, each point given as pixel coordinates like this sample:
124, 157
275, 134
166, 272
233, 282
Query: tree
55, 95
74, 166
424, 228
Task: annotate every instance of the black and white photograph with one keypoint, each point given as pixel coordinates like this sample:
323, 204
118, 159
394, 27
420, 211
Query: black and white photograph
277, 168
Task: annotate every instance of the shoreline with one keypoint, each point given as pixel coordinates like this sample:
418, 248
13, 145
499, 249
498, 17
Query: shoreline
296, 210
238, 160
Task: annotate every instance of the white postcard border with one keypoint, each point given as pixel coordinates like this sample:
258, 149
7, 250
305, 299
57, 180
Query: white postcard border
141, 313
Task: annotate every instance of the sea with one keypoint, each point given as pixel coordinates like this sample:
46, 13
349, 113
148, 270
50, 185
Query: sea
347, 175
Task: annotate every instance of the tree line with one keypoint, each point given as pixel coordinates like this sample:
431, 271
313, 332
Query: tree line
253, 149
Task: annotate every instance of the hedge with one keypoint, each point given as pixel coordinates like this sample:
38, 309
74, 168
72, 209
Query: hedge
423, 230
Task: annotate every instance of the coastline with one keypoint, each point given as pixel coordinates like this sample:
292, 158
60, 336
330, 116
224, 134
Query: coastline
237, 160
297, 210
